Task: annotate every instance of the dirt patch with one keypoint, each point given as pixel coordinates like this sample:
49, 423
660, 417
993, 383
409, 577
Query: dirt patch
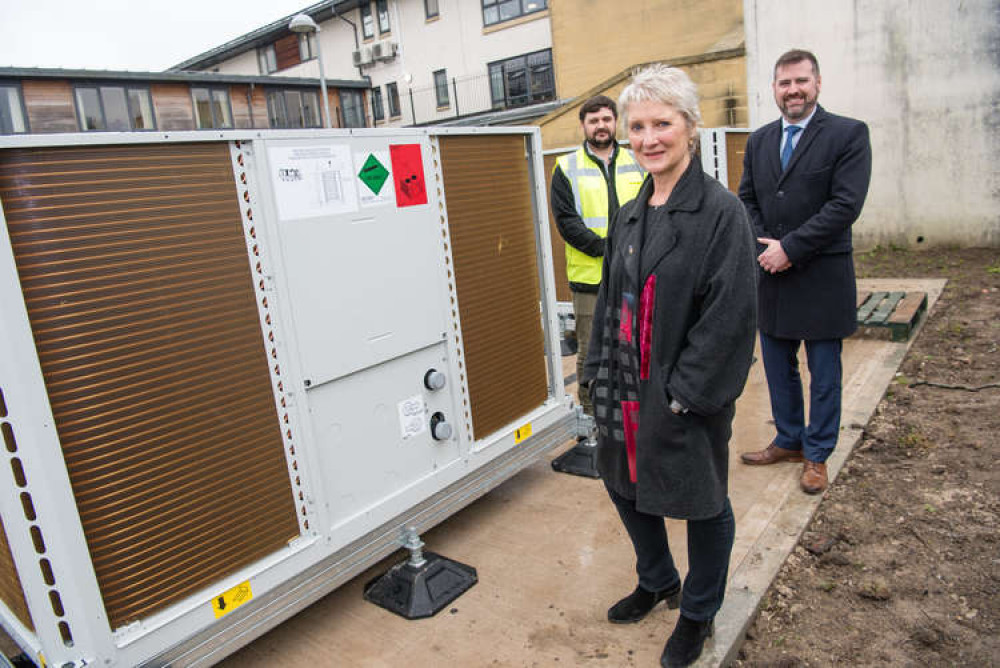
900, 565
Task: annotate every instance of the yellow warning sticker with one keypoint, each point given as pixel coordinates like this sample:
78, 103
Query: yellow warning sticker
229, 600
522, 433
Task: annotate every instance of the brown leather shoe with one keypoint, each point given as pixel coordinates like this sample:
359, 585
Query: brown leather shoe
813, 479
772, 454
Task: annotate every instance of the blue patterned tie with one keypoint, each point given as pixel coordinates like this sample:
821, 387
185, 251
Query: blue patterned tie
786, 153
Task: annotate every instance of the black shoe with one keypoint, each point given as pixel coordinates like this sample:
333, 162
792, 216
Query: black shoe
686, 642
639, 603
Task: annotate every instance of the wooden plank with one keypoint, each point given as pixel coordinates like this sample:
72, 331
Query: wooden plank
863, 296
909, 307
885, 308
869, 306
904, 319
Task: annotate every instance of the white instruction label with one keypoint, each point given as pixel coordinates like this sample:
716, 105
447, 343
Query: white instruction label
412, 416
311, 181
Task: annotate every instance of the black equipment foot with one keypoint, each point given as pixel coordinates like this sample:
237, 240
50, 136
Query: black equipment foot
415, 592
579, 460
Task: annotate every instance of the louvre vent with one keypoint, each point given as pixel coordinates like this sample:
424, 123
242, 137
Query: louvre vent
134, 270
492, 229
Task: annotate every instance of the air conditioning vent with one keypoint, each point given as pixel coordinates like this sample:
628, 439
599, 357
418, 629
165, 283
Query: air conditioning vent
385, 50
362, 56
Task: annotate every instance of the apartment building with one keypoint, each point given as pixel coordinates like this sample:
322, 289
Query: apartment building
427, 61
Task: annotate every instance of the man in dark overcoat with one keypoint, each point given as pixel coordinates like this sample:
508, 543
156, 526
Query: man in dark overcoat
805, 178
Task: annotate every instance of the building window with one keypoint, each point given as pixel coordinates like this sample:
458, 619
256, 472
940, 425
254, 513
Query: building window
498, 11
431, 9
353, 104
115, 108
523, 80
293, 108
392, 92
307, 46
378, 112
382, 7
267, 60
367, 21
211, 108
12, 116
441, 88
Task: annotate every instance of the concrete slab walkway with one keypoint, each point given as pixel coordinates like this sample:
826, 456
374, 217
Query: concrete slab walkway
552, 556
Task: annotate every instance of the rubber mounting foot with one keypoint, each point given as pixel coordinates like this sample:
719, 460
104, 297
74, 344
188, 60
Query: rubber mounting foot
419, 592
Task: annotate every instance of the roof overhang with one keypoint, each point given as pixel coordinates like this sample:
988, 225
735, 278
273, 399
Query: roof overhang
175, 77
320, 11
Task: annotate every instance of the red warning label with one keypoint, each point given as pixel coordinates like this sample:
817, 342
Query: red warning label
408, 173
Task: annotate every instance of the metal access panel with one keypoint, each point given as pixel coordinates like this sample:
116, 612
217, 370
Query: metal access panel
237, 365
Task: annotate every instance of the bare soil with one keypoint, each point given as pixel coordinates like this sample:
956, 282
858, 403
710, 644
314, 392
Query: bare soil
900, 565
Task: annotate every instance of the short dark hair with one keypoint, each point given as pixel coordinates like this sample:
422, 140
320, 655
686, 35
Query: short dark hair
796, 56
598, 102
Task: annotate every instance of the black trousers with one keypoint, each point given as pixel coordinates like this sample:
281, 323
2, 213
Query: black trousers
710, 543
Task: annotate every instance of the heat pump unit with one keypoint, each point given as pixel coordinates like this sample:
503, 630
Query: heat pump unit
236, 368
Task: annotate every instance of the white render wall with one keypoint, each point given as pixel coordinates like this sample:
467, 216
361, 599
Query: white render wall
925, 76
457, 42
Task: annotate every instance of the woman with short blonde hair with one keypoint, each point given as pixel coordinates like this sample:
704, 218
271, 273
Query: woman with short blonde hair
670, 351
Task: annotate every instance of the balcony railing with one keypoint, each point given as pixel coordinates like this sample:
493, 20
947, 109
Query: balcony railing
473, 95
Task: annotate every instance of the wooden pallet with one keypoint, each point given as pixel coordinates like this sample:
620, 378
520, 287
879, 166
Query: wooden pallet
889, 315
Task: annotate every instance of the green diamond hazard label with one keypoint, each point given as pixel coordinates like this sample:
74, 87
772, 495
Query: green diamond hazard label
373, 174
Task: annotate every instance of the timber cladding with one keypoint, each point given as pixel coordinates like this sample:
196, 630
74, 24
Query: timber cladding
491, 222
172, 106
50, 106
133, 265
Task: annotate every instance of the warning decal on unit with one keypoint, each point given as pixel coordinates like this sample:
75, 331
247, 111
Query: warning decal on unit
408, 174
522, 432
313, 181
372, 170
411, 416
231, 599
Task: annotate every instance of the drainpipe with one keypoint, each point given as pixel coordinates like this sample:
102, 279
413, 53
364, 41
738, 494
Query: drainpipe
357, 43
250, 104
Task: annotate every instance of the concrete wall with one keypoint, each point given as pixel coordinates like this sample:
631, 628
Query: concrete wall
925, 76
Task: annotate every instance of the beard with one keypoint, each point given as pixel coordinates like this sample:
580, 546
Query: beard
600, 140
798, 113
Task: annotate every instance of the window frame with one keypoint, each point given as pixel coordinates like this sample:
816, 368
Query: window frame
530, 97
522, 10
367, 20
441, 93
263, 62
378, 107
308, 41
359, 107
392, 95
15, 87
212, 90
277, 101
382, 10
97, 87
428, 14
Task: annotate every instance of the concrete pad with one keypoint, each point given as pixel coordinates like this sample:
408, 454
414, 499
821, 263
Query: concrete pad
552, 556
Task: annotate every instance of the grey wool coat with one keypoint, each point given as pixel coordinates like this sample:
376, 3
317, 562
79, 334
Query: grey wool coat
675, 319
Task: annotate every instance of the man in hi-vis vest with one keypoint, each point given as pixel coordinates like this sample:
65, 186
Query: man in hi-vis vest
588, 187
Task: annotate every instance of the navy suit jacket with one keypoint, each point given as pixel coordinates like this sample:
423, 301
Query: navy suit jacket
809, 207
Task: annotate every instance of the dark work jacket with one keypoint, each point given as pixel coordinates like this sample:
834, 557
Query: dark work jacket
696, 266
810, 208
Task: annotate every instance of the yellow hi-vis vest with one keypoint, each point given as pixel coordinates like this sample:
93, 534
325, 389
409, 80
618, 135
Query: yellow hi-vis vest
590, 194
